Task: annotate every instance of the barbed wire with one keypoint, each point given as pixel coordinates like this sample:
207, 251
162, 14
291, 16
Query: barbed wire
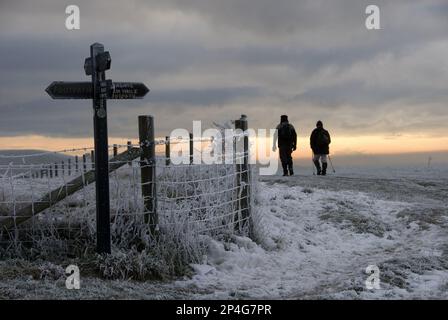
159, 141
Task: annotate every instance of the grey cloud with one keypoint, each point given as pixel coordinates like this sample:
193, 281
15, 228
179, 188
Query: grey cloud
249, 37
365, 97
48, 118
204, 97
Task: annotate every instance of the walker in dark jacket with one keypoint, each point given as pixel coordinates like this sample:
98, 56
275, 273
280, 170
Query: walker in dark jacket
286, 137
320, 144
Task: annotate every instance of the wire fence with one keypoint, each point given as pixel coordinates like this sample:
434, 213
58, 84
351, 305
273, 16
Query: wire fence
47, 199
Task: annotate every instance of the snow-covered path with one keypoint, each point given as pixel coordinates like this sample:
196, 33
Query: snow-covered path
317, 243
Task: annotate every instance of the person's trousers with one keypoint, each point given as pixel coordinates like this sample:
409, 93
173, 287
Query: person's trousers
286, 159
321, 157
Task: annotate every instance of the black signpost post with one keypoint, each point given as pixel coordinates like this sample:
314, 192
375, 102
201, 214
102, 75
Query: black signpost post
99, 90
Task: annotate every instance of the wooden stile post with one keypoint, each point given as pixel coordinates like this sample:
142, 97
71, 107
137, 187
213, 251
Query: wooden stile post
148, 170
191, 148
115, 150
167, 151
223, 147
243, 176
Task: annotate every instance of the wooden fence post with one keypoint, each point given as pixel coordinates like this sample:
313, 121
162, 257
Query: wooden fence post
51, 170
92, 158
84, 163
191, 148
56, 170
167, 151
63, 168
223, 147
148, 170
76, 164
69, 167
115, 150
243, 177
129, 148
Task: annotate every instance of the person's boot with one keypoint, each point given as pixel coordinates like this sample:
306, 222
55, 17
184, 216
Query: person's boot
317, 164
291, 170
285, 170
324, 168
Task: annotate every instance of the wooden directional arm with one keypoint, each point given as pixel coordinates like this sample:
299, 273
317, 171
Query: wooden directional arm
84, 90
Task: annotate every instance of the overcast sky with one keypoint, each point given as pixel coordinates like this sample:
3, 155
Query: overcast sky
215, 59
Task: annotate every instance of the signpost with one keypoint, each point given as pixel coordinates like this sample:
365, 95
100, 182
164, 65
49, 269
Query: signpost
99, 90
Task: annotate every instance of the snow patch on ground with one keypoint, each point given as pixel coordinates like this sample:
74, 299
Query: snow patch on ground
315, 243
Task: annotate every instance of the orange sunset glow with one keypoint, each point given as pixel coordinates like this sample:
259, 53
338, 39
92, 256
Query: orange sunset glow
341, 145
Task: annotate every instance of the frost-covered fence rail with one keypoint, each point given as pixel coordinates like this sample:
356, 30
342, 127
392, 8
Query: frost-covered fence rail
43, 212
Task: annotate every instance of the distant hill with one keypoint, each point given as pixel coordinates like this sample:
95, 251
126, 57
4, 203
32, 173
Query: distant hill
5, 158
420, 159
8, 157
405, 159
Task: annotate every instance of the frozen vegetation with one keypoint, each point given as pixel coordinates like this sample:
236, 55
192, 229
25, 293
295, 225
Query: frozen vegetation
314, 238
